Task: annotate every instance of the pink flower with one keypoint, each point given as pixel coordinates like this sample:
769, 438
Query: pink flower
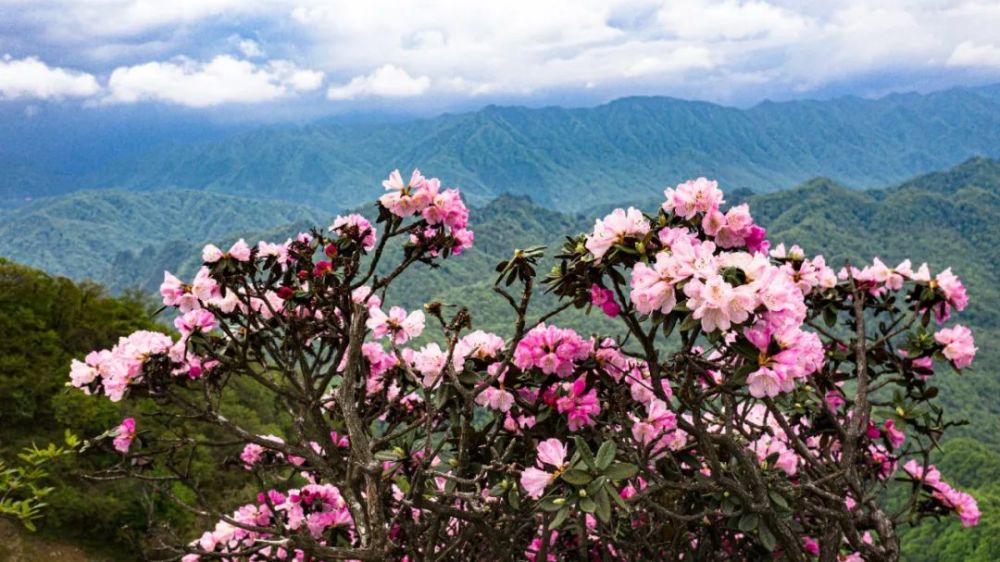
658, 419
357, 228
551, 349
895, 436
605, 300
717, 304
615, 229
404, 200
552, 452
578, 403
964, 504
954, 294
251, 455
277, 251
397, 323
959, 346
462, 239
535, 481
124, 435
211, 253
653, 287
82, 373
495, 399
764, 382
810, 545
693, 197
477, 345
429, 362
448, 209
240, 251
199, 320
931, 476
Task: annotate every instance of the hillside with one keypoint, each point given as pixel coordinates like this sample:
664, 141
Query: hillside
79, 234
620, 150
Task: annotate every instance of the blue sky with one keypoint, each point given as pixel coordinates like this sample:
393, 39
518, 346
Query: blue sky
308, 57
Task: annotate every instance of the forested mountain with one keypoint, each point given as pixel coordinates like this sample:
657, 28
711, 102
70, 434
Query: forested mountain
79, 234
620, 150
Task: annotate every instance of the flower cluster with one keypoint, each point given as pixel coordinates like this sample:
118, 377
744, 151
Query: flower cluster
443, 210
113, 371
961, 503
315, 508
124, 435
553, 350
357, 228
616, 228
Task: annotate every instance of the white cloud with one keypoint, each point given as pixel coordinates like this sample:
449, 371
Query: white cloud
730, 19
224, 79
969, 53
725, 50
124, 18
250, 48
388, 81
32, 78
684, 58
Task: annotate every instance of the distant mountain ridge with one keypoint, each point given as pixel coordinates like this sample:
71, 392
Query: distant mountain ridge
573, 159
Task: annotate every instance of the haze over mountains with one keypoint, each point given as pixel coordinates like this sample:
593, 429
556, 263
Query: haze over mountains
622, 150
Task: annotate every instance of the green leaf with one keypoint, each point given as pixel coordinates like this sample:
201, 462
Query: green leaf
550, 504
585, 453
748, 522
606, 454
603, 506
588, 505
559, 518
766, 536
576, 477
514, 499
617, 497
621, 470
778, 499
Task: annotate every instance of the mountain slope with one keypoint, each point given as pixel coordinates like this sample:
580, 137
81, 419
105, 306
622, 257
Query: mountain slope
79, 234
572, 159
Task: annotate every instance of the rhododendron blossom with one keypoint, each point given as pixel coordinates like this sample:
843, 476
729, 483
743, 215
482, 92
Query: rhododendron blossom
959, 345
555, 351
397, 324
357, 228
750, 404
615, 229
124, 435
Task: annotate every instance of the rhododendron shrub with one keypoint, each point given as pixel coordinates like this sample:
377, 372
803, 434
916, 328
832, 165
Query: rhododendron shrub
757, 403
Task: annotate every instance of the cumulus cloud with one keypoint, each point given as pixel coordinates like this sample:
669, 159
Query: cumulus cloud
724, 50
969, 53
685, 58
224, 79
388, 81
32, 78
731, 19
250, 48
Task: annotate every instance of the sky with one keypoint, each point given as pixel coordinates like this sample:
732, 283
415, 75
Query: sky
294, 58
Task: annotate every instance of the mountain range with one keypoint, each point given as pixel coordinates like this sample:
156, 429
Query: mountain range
565, 159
